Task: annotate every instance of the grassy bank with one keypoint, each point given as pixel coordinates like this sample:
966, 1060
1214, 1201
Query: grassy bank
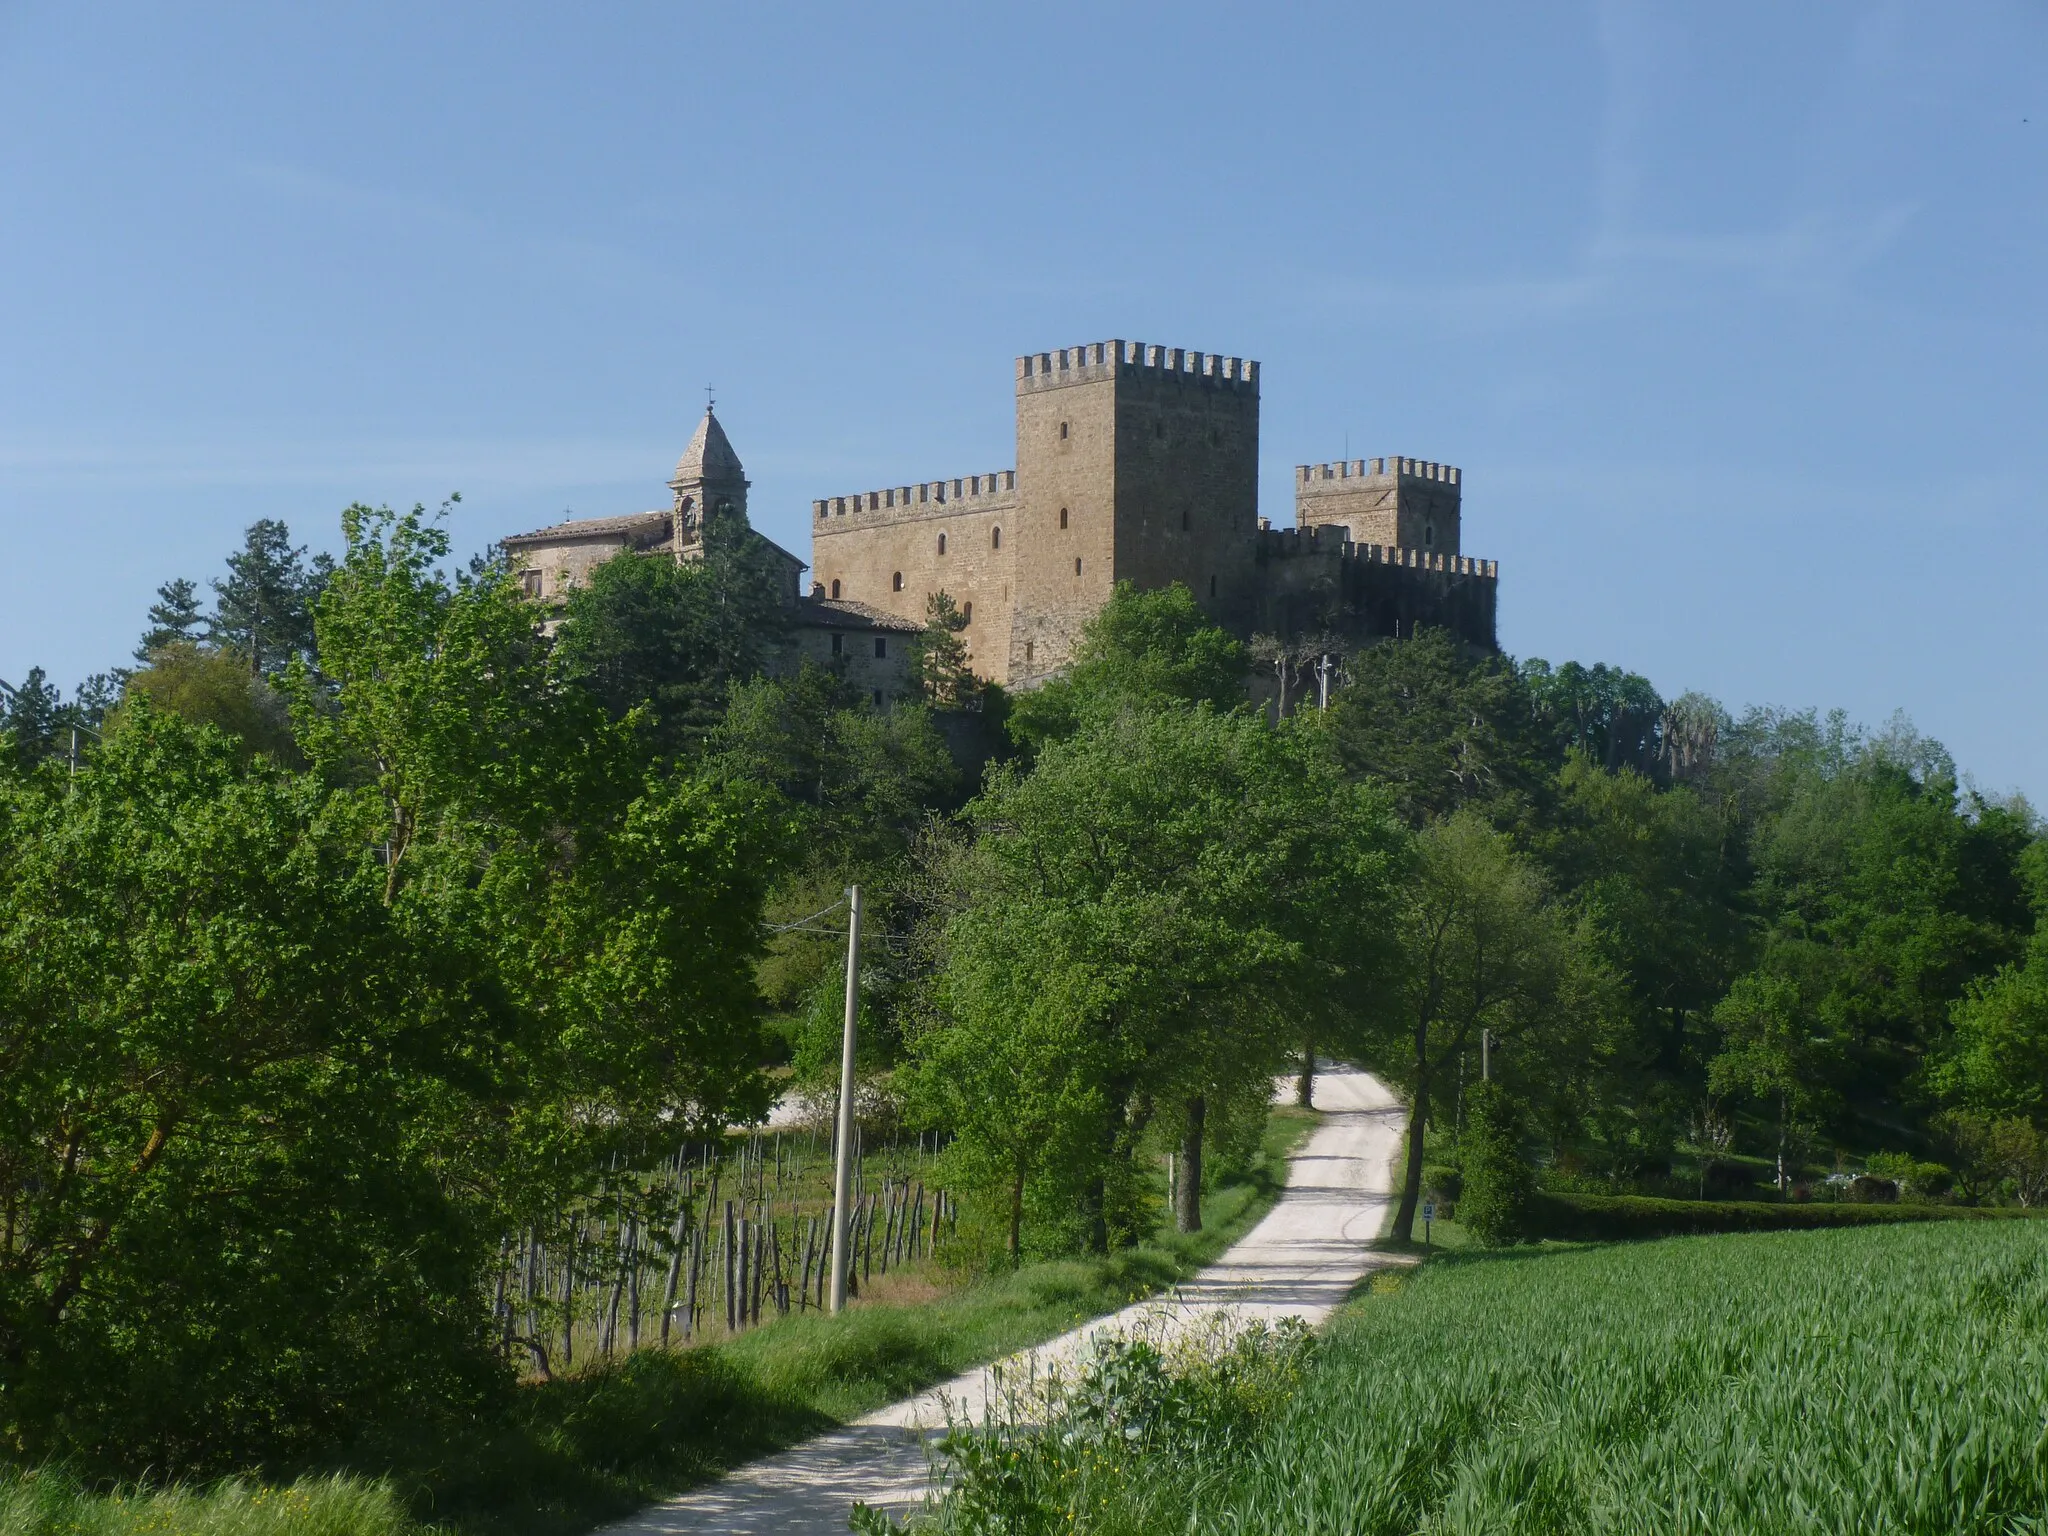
1873, 1380
577, 1452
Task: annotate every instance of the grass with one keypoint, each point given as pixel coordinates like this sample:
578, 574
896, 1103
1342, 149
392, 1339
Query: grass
49, 1504
592, 1447
1886, 1380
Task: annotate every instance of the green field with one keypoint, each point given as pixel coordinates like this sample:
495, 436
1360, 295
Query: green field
1872, 1380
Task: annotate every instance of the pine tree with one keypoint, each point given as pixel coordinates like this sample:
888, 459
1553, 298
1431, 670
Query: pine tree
941, 656
264, 609
33, 717
174, 619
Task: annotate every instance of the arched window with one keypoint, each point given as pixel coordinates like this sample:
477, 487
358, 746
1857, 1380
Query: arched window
995, 538
1063, 517
1077, 565
967, 613
942, 543
835, 586
1063, 431
896, 582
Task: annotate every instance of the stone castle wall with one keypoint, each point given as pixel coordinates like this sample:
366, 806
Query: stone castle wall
862, 544
1139, 463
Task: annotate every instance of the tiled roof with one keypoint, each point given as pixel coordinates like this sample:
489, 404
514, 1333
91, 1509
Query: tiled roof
594, 528
845, 613
709, 456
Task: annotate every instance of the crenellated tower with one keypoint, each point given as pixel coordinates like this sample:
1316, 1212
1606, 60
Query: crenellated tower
1136, 463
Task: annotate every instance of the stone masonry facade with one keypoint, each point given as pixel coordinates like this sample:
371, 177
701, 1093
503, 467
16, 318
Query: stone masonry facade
1139, 463
1134, 463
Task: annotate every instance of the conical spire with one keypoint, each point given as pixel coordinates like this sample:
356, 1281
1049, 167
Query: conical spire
709, 456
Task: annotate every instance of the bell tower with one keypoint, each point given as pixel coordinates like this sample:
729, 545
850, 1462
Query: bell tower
708, 483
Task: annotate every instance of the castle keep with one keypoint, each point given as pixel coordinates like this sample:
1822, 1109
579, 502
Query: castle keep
1133, 463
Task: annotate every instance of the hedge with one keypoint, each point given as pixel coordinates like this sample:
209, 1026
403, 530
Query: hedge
1609, 1218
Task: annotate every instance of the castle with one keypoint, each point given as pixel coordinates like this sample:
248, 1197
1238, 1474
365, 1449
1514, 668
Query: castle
1134, 463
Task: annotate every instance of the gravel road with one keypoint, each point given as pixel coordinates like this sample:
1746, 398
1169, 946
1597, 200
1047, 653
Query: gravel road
1301, 1261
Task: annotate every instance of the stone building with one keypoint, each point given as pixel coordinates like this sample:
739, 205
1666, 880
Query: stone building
871, 646
1140, 463
1133, 463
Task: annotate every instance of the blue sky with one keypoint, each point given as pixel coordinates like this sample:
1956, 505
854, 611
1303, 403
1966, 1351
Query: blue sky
1733, 314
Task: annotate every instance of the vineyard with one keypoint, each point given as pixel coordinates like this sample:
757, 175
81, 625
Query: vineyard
711, 1241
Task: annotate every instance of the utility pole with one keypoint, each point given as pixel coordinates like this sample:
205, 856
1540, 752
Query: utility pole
842, 1174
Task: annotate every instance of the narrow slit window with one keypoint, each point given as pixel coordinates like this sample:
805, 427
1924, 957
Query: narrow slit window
838, 645
1077, 565
1063, 431
1212, 586
835, 586
881, 647
942, 543
1063, 517
896, 582
1186, 521
995, 538
967, 613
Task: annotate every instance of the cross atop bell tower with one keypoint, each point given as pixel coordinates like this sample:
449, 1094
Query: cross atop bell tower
708, 483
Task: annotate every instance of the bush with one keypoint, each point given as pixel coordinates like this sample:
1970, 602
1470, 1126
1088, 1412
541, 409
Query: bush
1609, 1218
1494, 1206
1442, 1183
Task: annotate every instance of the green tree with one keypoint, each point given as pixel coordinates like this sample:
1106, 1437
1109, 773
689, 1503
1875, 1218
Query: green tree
940, 657
1770, 1053
671, 638
263, 610
1182, 886
210, 687
1482, 947
1140, 648
1443, 728
228, 1079
1498, 1187
33, 717
174, 619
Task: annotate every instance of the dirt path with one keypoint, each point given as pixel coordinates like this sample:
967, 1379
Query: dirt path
1300, 1261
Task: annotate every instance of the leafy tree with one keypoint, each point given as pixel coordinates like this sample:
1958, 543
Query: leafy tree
1140, 648
263, 609
1153, 910
672, 637
1498, 1187
1613, 716
1443, 729
228, 1070
174, 619
216, 688
1483, 947
1770, 1053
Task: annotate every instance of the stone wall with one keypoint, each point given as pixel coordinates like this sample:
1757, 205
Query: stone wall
864, 543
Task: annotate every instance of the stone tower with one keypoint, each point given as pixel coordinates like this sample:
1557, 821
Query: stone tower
708, 483
1395, 502
1135, 463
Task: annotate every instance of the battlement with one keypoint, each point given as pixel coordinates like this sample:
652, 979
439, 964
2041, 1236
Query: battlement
1392, 468
1100, 360
929, 498
1333, 540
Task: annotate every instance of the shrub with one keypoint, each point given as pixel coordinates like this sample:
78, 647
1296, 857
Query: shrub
1494, 1206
